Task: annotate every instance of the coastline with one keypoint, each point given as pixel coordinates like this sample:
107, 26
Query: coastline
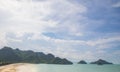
18, 67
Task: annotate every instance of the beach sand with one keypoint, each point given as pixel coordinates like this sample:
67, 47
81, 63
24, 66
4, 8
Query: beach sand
18, 67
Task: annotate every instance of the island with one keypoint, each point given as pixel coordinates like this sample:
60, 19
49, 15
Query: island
9, 55
100, 62
82, 62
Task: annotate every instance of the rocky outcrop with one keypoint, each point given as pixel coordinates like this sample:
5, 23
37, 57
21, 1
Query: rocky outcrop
100, 62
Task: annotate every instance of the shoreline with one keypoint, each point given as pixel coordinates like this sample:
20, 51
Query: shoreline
18, 67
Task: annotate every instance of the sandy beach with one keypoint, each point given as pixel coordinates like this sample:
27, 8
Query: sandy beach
18, 67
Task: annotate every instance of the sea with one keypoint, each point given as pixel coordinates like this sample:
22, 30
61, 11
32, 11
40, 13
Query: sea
77, 68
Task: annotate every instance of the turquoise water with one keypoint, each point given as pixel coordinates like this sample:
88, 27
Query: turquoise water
77, 68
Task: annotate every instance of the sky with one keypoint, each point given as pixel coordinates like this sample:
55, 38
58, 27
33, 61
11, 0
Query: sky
73, 29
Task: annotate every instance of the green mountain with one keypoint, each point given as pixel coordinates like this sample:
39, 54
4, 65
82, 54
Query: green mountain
9, 55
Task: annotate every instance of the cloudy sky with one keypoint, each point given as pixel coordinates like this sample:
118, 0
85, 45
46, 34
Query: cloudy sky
72, 29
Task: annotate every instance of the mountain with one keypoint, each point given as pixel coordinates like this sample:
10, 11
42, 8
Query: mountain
82, 62
100, 62
9, 55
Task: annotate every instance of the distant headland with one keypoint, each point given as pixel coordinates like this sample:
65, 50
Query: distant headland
9, 55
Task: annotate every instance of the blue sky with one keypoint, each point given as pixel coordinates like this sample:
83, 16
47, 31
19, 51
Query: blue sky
72, 29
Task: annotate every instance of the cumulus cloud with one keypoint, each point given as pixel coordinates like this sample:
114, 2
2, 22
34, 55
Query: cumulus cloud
28, 16
103, 41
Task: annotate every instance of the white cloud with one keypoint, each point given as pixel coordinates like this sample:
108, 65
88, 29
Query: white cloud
27, 16
116, 4
103, 40
62, 47
3, 41
117, 52
99, 42
14, 40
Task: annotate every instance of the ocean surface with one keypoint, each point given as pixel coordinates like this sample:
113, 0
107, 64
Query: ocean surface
77, 68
